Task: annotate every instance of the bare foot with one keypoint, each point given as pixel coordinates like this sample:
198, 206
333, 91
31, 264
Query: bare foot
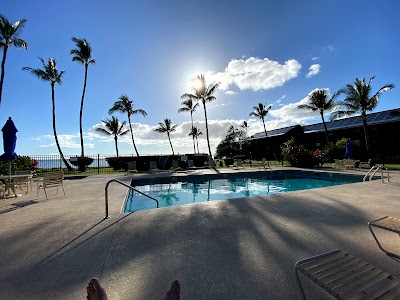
95, 291
174, 292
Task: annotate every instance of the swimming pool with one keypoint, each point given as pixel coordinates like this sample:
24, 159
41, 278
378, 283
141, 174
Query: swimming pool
174, 191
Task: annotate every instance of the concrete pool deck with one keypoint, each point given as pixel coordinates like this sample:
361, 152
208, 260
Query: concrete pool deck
234, 249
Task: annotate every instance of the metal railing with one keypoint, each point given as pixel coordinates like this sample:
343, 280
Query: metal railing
373, 171
128, 186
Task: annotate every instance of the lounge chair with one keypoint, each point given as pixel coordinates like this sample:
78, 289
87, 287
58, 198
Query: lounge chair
339, 163
349, 163
153, 166
239, 164
386, 223
176, 167
345, 276
50, 180
131, 167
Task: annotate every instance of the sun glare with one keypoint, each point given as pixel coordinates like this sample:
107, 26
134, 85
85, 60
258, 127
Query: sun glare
197, 84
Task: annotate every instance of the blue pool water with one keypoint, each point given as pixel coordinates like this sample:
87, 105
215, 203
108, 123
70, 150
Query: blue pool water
171, 192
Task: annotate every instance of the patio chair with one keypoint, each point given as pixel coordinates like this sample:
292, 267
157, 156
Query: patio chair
345, 276
50, 180
131, 167
386, 223
22, 182
3, 189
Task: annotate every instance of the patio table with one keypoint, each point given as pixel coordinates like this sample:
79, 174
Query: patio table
8, 179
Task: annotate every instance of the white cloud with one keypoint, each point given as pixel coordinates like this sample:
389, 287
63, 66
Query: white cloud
280, 99
330, 47
65, 140
315, 58
255, 74
230, 92
313, 70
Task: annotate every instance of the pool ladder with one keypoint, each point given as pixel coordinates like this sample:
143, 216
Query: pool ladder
130, 189
375, 169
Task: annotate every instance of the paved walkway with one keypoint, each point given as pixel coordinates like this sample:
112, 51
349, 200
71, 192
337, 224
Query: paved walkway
234, 249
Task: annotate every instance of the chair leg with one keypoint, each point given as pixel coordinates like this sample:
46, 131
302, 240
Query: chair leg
379, 244
63, 189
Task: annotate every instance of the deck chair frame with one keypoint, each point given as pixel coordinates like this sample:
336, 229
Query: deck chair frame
386, 223
50, 180
345, 276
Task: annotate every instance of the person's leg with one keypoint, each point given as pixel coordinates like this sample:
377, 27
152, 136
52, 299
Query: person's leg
95, 291
174, 292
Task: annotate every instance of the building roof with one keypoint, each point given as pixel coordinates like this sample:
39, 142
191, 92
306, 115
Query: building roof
386, 116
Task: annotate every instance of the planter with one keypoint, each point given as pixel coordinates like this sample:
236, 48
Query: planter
81, 162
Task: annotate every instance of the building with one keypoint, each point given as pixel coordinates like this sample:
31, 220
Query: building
383, 128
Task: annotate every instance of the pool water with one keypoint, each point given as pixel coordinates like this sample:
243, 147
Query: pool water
209, 189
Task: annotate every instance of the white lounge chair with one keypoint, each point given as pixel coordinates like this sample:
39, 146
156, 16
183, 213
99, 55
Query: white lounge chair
131, 167
153, 166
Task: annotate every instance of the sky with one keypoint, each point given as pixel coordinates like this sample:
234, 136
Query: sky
274, 52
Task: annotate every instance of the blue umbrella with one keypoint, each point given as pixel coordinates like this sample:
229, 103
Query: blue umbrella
9, 142
349, 149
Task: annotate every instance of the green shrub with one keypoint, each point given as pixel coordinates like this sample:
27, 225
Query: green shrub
22, 163
298, 155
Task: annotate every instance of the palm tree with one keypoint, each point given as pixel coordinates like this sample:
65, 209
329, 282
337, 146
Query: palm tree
168, 128
204, 94
49, 73
245, 125
358, 100
188, 106
9, 35
195, 132
124, 105
115, 128
319, 102
83, 55
261, 112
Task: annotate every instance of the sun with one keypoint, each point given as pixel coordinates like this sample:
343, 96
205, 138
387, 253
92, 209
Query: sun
198, 84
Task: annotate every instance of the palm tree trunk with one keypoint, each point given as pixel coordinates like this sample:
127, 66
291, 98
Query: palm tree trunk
265, 130
81, 111
194, 145
170, 143
326, 130
197, 140
116, 144
133, 141
54, 128
3, 63
366, 136
208, 139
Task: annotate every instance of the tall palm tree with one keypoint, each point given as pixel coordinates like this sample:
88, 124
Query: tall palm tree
124, 105
195, 132
168, 128
9, 35
205, 94
188, 106
358, 100
261, 112
319, 101
115, 128
83, 55
49, 73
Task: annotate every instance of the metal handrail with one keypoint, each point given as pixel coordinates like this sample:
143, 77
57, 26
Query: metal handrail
376, 169
128, 186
